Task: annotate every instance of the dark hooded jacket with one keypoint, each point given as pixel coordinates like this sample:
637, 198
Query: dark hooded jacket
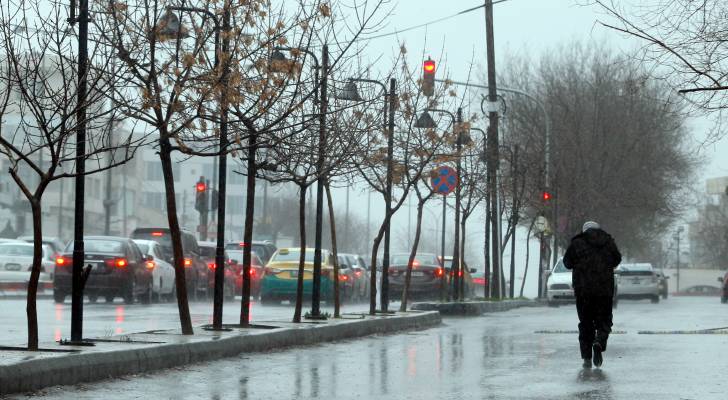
592, 256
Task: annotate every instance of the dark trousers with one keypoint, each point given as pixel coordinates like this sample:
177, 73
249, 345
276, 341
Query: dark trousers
595, 322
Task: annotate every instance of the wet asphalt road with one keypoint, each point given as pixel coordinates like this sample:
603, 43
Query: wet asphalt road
491, 357
103, 319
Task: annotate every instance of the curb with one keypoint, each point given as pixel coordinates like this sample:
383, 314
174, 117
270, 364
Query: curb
97, 363
474, 308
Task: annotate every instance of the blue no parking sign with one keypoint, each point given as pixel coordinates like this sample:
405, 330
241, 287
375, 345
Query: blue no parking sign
444, 179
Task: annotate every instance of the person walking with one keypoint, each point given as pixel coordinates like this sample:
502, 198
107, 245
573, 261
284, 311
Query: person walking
593, 256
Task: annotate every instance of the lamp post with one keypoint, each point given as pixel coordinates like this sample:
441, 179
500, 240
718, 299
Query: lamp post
426, 121
222, 164
322, 83
351, 93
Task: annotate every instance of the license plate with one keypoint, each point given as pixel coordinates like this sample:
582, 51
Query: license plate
12, 267
418, 273
294, 274
636, 281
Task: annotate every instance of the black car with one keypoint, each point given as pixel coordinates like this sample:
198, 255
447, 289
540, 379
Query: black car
118, 269
195, 267
428, 276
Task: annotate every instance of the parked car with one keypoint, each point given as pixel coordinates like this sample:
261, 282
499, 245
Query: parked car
118, 269
427, 280
281, 276
163, 284
54, 243
346, 279
263, 248
16, 262
208, 253
469, 289
638, 281
558, 285
195, 268
361, 276
724, 286
256, 271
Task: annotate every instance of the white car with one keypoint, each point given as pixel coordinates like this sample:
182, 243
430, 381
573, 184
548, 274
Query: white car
162, 271
16, 259
558, 285
638, 281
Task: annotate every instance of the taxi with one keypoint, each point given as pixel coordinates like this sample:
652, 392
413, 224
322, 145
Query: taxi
280, 276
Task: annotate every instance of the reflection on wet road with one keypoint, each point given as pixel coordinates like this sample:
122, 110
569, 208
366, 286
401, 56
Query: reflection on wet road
493, 357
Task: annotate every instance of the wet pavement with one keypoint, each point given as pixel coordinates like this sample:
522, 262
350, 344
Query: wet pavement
106, 319
498, 356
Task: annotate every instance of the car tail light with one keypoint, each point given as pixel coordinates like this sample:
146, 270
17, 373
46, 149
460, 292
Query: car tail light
343, 278
157, 234
439, 272
211, 266
188, 262
357, 273
151, 264
62, 261
252, 272
479, 281
117, 262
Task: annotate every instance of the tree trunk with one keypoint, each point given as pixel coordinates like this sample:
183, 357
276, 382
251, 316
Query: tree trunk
461, 282
525, 271
179, 260
512, 287
413, 254
248, 230
330, 203
373, 280
31, 307
302, 258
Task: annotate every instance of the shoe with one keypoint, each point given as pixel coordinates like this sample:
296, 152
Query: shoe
587, 363
597, 354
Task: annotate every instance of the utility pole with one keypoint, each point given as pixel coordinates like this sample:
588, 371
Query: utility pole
677, 236
78, 281
492, 147
390, 170
456, 264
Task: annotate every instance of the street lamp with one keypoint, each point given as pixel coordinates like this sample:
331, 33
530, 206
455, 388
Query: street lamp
277, 60
351, 93
425, 121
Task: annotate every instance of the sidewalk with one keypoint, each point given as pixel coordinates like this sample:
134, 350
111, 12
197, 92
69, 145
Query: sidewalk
473, 308
150, 351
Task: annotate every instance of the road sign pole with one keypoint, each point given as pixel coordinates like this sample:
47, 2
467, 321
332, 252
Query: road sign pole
443, 286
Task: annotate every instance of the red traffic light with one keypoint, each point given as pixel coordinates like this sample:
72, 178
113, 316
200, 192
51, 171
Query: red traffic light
429, 66
546, 196
201, 186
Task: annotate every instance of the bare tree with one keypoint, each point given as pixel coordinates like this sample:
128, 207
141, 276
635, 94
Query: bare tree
620, 154
38, 78
685, 40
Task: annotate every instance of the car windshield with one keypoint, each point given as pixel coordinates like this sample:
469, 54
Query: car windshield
560, 267
206, 251
422, 259
99, 246
237, 255
16, 250
292, 255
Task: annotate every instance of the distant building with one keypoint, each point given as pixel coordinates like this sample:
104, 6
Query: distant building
708, 233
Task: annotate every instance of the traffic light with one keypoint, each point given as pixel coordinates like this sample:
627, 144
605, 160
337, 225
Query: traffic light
546, 196
201, 195
428, 77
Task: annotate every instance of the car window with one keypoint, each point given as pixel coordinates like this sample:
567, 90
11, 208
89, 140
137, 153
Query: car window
560, 267
403, 259
99, 246
207, 251
292, 255
16, 250
143, 247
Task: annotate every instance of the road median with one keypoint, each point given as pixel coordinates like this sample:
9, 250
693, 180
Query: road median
114, 356
473, 308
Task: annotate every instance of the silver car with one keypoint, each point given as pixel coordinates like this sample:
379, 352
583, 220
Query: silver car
638, 281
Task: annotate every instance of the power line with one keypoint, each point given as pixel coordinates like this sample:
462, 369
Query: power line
428, 23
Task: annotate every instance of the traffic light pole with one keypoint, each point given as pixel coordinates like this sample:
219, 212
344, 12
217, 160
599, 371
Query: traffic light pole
493, 156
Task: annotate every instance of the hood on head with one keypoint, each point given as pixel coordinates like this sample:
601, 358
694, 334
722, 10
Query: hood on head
596, 237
